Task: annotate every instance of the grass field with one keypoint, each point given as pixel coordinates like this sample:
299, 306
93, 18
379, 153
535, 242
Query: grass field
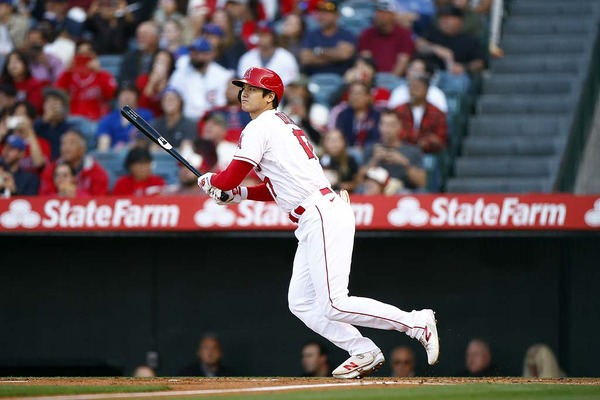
301, 389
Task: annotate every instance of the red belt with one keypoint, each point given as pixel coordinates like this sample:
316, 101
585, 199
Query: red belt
298, 211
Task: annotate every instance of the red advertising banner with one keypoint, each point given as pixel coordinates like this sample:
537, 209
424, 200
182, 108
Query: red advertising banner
550, 212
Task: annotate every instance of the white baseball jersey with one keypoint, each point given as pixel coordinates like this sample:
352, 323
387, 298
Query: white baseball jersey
283, 62
201, 92
435, 96
282, 157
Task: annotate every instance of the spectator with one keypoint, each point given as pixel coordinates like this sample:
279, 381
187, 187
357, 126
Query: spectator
402, 161
423, 124
403, 362
329, 48
298, 103
14, 28
197, 15
179, 131
14, 180
144, 371
91, 177
341, 169
188, 181
65, 181
68, 36
315, 360
111, 26
43, 66
415, 15
200, 80
540, 362
53, 122
209, 362
390, 45
363, 70
91, 89
139, 181
232, 111
452, 50
245, 15
171, 37
20, 123
152, 84
292, 33
435, 96
269, 55
472, 21
359, 120
215, 130
138, 60
8, 97
231, 46
166, 10
16, 72
115, 132
478, 360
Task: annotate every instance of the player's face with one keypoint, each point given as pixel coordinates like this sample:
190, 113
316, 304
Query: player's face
254, 101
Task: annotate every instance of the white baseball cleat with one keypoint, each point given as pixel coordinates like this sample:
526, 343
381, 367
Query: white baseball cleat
430, 339
360, 365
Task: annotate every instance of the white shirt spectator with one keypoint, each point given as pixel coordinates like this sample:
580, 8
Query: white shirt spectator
200, 92
435, 96
283, 62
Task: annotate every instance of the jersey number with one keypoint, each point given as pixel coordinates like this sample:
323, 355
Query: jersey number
302, 139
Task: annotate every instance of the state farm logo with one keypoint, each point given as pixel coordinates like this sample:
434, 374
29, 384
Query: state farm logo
249, 213
20, 214
448, 211
408, 211
58, 213
592, 217
213, 214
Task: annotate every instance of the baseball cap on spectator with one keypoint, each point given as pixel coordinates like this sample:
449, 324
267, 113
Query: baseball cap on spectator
201, 44
386, 5
325, 5
16, 142
450, 10
213, 29
216, 117
265, 27
170, 89
58, 93
378, 174
137, 155
6, 2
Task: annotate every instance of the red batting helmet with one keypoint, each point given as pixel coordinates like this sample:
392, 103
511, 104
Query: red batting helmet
262, 78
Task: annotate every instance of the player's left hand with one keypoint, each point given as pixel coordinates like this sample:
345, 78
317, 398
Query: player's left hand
233, 196
204, 182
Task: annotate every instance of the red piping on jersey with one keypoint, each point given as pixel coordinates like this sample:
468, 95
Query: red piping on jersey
329, 289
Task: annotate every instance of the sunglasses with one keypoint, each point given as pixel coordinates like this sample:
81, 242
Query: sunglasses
403, 362
326, 6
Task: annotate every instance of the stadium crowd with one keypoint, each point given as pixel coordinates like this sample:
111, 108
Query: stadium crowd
372, 83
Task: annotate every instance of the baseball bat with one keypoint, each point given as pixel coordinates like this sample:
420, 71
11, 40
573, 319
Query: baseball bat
148, 130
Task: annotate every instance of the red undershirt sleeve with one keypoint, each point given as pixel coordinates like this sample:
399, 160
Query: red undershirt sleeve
234, 174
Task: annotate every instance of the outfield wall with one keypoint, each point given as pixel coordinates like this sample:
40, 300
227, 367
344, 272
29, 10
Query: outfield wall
82, 301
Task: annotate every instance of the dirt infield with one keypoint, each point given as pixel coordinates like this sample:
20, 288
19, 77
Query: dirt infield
230, 385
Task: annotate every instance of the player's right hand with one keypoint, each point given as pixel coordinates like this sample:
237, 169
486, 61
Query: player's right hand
204, 182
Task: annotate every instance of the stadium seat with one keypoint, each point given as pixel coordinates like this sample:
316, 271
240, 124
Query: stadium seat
388, 80
111, 63
323, 86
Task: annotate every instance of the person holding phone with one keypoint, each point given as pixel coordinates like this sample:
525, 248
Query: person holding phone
90, 88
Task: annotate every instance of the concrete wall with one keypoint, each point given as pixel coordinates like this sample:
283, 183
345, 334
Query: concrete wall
89, 304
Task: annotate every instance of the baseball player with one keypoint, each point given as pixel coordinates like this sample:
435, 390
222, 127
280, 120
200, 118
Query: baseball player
291, 176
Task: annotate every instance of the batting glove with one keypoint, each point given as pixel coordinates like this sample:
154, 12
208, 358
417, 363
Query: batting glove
204, 182
234, 196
